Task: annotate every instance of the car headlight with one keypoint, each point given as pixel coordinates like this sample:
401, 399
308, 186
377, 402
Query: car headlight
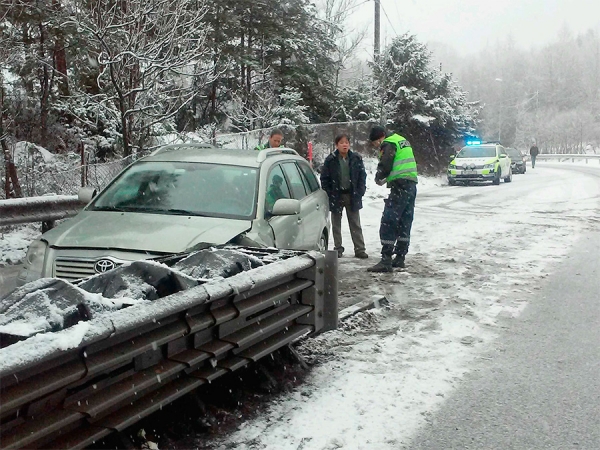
490, 166
452, 166
34, 261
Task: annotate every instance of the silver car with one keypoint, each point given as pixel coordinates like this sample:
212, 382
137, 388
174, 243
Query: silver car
183, 197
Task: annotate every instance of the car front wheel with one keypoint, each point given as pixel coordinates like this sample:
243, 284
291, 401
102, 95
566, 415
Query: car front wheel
496, 180
322, 244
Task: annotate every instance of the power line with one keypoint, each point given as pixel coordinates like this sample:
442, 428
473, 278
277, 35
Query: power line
350, 8
388, 18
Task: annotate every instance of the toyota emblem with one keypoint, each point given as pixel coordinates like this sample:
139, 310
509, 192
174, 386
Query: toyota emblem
104, 265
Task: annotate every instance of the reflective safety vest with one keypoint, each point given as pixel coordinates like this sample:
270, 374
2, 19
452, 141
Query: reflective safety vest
404, 166
262, 147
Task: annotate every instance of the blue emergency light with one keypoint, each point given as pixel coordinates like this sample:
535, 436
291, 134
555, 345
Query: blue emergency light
474, 142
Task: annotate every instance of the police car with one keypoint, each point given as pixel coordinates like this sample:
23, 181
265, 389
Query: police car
478, 161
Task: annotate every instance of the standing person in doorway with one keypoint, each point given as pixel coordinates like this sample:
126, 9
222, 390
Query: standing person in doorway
343, 177
533, 152
397, 168
275, 139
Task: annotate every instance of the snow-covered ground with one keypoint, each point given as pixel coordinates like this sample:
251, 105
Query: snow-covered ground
478, 254
15, 240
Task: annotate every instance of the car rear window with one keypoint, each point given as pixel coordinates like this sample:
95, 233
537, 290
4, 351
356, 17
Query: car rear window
515, 154
310, 176
295, 179
183, 188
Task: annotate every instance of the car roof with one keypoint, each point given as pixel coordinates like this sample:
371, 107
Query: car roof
203, 153
487, 144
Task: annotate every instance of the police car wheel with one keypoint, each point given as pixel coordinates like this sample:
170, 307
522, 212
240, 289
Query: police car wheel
496, 180
451, 182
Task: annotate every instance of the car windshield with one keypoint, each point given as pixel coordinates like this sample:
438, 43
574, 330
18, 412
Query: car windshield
183, 188
477, 152
513, 153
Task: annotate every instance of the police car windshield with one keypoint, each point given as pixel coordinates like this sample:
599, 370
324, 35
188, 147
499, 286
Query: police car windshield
477, 152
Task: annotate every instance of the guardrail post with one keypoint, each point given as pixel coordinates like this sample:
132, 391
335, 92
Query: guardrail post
47, 225
331, 291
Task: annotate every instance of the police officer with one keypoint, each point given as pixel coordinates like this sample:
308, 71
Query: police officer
275, 139
398, 168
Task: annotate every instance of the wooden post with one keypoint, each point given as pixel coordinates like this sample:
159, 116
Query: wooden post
83, 165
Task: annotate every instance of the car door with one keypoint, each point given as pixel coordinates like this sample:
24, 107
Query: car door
308, 206
286, 229
504, 161
316, 204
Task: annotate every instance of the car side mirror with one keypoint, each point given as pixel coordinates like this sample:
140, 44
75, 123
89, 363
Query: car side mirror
451, 157
286, 207
502, 156
86, 194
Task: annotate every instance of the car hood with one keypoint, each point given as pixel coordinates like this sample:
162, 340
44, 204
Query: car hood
476, 161
143, 232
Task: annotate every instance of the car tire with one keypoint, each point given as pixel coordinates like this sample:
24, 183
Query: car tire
451, 182
508, 179
323, 242
496, 179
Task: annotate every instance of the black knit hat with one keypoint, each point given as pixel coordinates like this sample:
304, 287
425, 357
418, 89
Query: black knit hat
377, 132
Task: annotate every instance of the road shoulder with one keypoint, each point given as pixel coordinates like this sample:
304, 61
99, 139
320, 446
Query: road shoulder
540, 386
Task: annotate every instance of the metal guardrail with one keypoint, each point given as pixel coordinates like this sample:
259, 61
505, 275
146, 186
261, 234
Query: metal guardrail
45, 209
131, 362
565, 156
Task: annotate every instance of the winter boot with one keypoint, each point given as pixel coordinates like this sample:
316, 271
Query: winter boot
398, 262
385, 265
340, 251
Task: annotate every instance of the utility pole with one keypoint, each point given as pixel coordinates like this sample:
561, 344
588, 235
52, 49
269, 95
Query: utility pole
377, 31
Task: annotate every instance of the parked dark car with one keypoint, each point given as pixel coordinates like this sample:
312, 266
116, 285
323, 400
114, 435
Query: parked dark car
517, 162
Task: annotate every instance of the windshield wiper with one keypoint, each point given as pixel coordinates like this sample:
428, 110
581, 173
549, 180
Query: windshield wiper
173, 211
111, 208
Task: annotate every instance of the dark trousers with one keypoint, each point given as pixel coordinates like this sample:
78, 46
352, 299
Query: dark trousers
396, 221
353, 221
533, 160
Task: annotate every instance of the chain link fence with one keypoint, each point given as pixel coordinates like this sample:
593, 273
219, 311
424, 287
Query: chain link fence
64, 176
297, 137
41, 172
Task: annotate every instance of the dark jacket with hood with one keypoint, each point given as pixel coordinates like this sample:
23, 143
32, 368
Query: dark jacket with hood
330, 180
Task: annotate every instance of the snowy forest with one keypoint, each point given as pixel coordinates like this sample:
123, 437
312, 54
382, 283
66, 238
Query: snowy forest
549, 95
116, 75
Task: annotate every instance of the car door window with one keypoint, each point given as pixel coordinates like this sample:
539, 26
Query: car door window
309, 176
277, 188
295, 179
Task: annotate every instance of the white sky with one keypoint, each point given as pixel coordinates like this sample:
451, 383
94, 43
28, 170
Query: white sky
468, 25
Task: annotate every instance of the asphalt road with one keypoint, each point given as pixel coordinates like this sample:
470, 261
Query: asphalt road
540, 387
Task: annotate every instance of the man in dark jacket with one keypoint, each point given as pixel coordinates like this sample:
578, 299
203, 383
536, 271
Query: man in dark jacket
343, 177
397, 168
533, 152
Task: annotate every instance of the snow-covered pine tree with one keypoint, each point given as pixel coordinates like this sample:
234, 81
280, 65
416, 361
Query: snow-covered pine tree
420, 102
